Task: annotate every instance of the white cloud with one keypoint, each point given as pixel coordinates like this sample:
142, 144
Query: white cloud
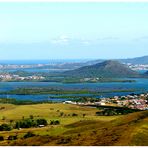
141, 38
86, 42
108, 38
63, 39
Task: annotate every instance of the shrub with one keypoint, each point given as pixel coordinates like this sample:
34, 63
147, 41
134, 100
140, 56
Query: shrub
54, 122
41, 122
5, 127
11, 121
12, 137
74, 114
84, 115
61, 114
31, 117
1, 138
3, 118
29, 134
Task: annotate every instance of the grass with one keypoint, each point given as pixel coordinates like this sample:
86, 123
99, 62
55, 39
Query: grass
131, 129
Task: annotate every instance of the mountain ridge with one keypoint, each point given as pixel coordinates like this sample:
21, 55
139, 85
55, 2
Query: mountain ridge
108, 69
137, 60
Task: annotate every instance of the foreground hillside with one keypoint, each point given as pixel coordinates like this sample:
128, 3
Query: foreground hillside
74, 127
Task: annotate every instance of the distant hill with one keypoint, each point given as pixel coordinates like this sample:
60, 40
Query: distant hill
109, 69
137, 60
146, 74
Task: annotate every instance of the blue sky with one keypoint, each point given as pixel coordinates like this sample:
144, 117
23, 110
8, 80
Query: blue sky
73, 30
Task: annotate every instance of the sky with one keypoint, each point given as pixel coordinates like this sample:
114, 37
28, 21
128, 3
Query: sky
62, 30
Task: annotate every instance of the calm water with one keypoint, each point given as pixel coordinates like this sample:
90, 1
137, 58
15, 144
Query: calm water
140, 86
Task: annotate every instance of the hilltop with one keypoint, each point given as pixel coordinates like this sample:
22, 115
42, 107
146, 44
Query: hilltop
108, 69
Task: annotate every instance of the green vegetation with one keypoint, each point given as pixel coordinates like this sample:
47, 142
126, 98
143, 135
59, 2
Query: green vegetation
28, 123
54, 122
21, 102
37, 90
111, 111
76, 79
28, 135
106, 69
71, 125
58, 91
5, 127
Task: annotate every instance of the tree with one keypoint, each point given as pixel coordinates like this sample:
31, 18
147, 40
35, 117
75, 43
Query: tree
41, 122
27, 123
17, 125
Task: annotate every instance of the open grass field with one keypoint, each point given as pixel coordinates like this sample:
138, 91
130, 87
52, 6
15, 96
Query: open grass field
131, 129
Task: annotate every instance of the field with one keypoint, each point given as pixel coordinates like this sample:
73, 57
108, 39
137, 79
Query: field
131, 129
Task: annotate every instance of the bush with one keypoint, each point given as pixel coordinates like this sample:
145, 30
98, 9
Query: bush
12, 137
41, 122
54, 122
3, 118
74, 114
31, 116
84, 115
5, 127
29, 134
61, 114
1, 138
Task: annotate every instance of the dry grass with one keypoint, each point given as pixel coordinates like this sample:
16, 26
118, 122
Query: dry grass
91, 130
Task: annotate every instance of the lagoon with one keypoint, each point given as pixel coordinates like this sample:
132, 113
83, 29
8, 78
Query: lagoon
140, 86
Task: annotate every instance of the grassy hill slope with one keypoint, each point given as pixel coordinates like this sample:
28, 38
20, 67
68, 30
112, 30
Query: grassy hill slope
131, 129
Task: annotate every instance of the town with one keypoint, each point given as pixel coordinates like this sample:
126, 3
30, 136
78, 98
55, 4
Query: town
139, 102
137, 66
13, 77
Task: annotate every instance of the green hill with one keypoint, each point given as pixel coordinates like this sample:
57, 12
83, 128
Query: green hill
107, 69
